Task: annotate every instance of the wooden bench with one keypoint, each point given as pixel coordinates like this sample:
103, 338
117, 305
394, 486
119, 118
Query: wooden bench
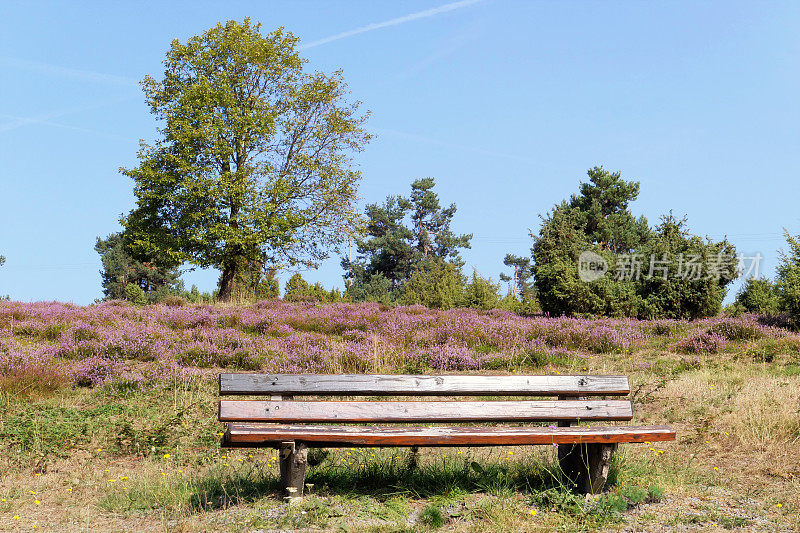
292, 425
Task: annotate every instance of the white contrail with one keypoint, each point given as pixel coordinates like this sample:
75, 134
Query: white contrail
393, 22
46, 117
80, 74
25, 120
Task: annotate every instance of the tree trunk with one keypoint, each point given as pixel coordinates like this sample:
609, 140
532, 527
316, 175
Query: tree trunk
227, 281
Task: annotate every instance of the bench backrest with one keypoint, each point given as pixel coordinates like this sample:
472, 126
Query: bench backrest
571, 392
412, 385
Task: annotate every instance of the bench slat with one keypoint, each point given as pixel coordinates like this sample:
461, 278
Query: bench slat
424, 411
417, 385
254, 435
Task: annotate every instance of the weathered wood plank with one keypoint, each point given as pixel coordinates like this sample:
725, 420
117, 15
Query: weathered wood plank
259, 435
424, 411
417, 385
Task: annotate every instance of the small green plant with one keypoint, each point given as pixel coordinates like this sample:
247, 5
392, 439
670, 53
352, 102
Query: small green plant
432, 516
655, 493
635, 495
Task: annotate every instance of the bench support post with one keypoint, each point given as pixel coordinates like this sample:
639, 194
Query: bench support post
413, 458
586, 465
294, 457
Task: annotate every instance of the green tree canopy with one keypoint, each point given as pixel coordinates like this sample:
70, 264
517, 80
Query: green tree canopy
647, 272
673, 293
254, 163
403, 235
123, 266
519, 279
431, 231
602, 207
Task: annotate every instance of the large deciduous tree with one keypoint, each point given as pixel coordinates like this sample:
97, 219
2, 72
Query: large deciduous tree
254, 163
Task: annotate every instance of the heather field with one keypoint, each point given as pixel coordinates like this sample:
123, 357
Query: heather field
109, 421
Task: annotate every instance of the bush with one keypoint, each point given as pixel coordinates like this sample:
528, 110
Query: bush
134, 294
436, 285
788, 281
298, 290
481, 293
376, 288
758, 296
172, 300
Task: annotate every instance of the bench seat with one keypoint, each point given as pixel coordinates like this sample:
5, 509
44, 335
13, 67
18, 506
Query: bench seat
473, 404
263, 435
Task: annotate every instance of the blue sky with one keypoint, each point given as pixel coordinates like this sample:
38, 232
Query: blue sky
506, 104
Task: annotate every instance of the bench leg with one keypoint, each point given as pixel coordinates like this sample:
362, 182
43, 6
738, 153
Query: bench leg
294, 457
413, 458
586, 465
